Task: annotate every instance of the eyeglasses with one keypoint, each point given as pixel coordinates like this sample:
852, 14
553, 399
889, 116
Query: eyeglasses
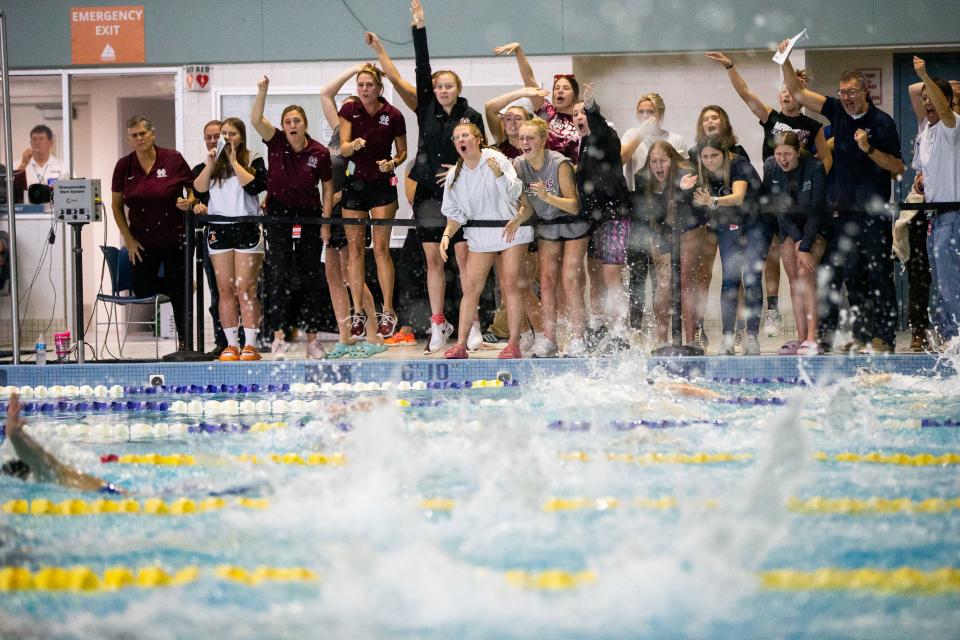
848, 93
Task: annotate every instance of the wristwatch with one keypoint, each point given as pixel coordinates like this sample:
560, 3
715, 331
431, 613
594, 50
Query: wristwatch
870, 150
713, 205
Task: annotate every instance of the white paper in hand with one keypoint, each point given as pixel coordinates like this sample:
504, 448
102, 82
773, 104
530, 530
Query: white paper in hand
221, 143
781, 57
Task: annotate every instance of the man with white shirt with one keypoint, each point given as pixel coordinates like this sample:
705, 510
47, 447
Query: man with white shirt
938, 158
39, 165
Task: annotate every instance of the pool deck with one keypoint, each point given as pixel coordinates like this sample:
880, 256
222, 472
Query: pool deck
265, 372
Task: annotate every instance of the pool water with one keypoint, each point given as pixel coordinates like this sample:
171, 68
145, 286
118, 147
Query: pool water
569, 506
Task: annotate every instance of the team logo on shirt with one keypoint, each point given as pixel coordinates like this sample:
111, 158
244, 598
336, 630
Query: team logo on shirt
385, 120
312, 162
161, 173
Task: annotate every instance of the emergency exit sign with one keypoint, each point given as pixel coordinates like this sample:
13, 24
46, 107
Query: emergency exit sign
107, 35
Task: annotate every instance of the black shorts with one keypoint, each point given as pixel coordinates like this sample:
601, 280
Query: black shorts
243, 237
338, 237
359, 195
428, 210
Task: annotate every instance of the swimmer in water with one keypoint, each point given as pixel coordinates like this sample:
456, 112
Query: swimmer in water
689, 390
35, 460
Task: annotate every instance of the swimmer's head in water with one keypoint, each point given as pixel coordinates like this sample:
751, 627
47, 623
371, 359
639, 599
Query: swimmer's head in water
16, 468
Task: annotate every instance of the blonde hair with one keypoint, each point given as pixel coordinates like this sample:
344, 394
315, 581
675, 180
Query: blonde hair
655, 100
373, 72
539, 124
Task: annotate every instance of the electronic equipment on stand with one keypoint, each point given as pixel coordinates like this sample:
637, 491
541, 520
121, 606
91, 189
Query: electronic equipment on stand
77, 202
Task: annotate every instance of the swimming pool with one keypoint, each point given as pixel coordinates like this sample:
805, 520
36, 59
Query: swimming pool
582, 501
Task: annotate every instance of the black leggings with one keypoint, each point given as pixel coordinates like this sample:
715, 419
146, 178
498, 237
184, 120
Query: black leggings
293, 267
146, 281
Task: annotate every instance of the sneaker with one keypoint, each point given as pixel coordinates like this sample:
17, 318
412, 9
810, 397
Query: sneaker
700, 337
490, 337
738, 337
510, 352
543, 347
475, 339
456, 352
728, 346
358, 325
249, 353
279, 349
387, 324
751, 346
527, 339
230, 354
439, 334
403, 337
852, 347
576, 348
315, 350
771, 322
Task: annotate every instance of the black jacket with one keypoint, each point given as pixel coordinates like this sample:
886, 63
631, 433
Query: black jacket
810, 189
434, 145
600, 182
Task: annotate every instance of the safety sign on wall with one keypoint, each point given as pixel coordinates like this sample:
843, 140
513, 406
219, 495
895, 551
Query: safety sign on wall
107, 35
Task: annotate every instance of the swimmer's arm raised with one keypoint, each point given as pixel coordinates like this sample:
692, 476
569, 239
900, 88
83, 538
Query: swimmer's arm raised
44, 465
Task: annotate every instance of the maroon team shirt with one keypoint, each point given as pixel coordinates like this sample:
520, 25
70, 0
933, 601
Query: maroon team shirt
292, 176
378, 131
509, 150
154, 219
562, 134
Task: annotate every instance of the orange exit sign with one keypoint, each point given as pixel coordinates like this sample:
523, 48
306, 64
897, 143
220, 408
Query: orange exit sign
107, 35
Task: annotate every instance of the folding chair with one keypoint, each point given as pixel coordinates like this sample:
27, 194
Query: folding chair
118, 264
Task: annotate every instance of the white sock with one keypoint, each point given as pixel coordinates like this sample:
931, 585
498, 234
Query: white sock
231, 334
250, 336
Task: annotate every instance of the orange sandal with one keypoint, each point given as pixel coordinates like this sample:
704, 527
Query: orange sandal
230, 354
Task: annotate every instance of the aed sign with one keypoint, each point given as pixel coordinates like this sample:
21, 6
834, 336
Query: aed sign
107, 35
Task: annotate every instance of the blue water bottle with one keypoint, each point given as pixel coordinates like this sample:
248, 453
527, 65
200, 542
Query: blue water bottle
41, 351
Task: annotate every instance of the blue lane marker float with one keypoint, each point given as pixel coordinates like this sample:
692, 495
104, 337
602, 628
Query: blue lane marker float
627, 425
939, 422
63, 406
756, 402
779, 380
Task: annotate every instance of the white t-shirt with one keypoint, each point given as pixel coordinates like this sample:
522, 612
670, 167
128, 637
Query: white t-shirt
42, 175
639, 157
227, 198
479, 195
939, 159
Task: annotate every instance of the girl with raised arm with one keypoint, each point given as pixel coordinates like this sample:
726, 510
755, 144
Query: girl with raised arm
439, 109
564, 136
370, 128
297, 163
485, 186
234, 178
335, 237
606, 202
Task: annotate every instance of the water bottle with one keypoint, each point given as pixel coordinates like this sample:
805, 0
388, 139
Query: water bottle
41, 350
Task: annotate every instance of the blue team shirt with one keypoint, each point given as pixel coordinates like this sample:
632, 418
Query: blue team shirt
855, 177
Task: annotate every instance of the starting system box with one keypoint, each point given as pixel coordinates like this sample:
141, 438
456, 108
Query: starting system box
77, 200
